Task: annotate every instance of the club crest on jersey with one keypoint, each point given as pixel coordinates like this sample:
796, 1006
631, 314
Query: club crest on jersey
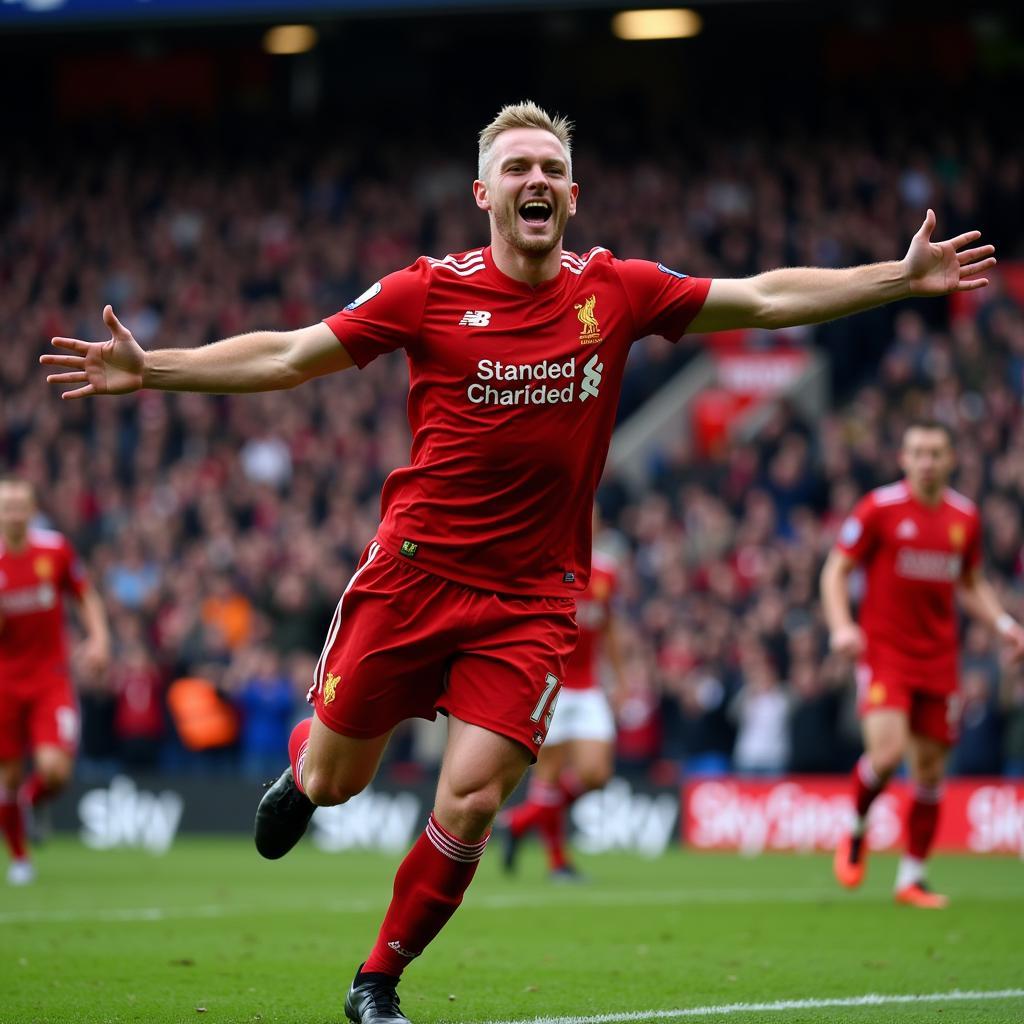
43, 567
331, 687
957, 535
590, 329
409, 548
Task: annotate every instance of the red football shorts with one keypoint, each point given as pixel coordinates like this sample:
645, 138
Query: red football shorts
37, 713
406, 644
933, 715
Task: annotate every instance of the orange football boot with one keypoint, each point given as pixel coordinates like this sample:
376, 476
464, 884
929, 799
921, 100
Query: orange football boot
917, 894
850, 861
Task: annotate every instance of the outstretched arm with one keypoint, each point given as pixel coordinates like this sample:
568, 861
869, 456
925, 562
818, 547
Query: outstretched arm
810, 295
979, 600
261, 361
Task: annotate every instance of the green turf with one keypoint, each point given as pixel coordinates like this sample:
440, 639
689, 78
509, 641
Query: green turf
125, 936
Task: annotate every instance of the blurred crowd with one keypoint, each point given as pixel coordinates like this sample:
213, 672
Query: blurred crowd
222, 530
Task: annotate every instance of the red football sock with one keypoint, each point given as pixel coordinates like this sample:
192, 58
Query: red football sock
34, 790
866, 786
571, 786
923, 820
298, 742
540, 798
552, 830
429, 887
12, 824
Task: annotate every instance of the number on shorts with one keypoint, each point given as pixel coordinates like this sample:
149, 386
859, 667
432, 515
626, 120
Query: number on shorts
545, 697
67, 724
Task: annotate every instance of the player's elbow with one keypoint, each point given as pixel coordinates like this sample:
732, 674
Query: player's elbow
770, 313
290, 367
288, 376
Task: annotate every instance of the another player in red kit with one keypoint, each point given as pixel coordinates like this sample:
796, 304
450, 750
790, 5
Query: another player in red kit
463, 602
38, 709
579, 752
919, 543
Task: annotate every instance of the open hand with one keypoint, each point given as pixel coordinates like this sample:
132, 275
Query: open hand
938, 268
1013, 638
112, 367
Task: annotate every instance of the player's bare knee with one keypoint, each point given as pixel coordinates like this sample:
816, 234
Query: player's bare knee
886, 761
325, 791
594, 776
470, 813
55, 778
930, 772
54, 769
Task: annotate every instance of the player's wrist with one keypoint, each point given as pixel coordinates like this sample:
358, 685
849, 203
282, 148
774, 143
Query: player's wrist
1005, 624
904, 277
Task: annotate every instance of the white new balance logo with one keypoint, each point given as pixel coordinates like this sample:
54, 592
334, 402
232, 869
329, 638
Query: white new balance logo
475, 318
592, 371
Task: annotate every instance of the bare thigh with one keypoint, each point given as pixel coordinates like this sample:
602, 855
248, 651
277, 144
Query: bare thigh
479, 771
338, 767
886, 738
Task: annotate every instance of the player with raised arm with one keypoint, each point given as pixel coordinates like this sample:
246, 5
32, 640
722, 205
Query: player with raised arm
919, 544
464, 601
578, 755
38, 709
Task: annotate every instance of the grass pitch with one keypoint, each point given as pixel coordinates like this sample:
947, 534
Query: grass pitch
211, 933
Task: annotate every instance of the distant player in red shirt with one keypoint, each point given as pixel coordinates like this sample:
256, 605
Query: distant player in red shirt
919, 544
463, 602
38, 710
579, 752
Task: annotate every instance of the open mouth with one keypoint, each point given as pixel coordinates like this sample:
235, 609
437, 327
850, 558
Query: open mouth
535, 211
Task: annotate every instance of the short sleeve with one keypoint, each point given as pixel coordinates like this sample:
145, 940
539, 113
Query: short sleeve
73, 578
859, 532
385, 317
663, 301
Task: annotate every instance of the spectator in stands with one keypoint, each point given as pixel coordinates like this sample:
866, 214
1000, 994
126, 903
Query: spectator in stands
266, 697
760, 709
264, 503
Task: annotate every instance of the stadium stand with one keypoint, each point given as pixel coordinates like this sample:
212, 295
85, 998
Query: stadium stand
222, 529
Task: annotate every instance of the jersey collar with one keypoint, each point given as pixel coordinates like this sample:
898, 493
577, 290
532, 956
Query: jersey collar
511, 284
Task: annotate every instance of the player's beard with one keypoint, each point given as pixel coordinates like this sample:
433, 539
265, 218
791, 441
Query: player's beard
506, 220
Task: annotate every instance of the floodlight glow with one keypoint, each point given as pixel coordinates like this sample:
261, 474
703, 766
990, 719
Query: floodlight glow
283, 40
670, 23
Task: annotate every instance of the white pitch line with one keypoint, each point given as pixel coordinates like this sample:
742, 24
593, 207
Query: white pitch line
727, 1009
565, 897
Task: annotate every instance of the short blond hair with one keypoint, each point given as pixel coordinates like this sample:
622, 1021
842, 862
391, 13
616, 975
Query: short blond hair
523, 115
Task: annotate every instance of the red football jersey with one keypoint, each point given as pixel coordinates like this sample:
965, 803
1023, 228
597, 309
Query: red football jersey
32, 582
593, 609
913, 555
512, 396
